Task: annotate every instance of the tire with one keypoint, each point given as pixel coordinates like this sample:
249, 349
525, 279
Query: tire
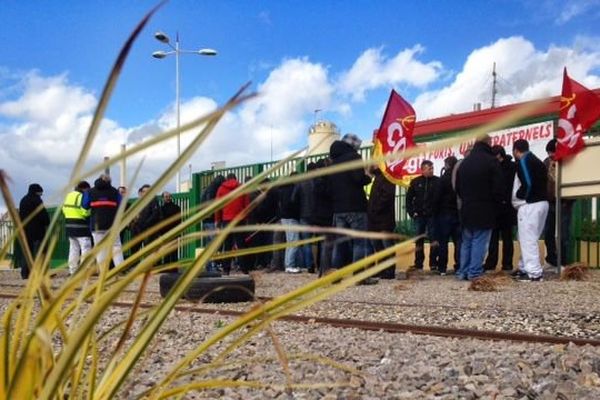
216, 289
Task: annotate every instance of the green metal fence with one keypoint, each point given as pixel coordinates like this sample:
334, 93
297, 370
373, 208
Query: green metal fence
6, 231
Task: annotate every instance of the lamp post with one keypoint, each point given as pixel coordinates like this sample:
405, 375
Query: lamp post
176, 50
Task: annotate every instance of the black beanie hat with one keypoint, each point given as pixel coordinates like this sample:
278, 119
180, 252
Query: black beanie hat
35, 188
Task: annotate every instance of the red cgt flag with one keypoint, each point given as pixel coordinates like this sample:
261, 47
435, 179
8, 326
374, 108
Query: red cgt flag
579, 109
395, 135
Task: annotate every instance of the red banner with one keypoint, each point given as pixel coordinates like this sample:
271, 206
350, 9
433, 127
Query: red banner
395, 135
579, 110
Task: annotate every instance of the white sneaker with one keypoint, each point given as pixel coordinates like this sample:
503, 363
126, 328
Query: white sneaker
292, 270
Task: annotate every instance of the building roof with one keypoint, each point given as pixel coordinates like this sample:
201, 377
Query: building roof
471, 119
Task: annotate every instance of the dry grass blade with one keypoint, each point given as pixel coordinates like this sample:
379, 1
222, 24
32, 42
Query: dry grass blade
501, 278
575, 272
282, 357
401, 287
132, 314
483, 284
111, 82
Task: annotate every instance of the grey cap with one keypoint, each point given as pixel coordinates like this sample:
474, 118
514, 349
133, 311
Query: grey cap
352, 140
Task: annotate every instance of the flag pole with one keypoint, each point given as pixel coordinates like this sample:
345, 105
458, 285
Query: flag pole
558, 216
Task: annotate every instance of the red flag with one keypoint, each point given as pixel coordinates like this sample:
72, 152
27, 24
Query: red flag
579, 110
395, 135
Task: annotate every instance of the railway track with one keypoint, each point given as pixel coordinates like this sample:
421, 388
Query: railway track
373, 303
388, 327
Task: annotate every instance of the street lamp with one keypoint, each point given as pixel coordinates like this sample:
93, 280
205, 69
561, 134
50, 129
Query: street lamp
175, 50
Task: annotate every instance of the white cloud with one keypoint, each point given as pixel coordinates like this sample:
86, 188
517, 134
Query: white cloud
48, 120
44, 129
524, 73
574, 8
265, 17
374, 70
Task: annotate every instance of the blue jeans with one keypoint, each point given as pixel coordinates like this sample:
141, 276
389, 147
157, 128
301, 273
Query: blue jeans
448, 227
291, 253
307, 248
473, 248
357, 246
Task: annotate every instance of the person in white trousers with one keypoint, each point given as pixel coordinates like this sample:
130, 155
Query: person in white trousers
530, 197
77, 226
103, 201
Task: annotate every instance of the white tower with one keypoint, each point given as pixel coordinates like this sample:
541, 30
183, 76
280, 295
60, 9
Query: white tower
320, 137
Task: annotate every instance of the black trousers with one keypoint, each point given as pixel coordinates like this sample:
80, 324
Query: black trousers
235, 240
425, 225
379, 245
506, 234
34, 246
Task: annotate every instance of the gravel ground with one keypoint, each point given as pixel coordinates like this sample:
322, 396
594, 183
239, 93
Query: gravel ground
397, 366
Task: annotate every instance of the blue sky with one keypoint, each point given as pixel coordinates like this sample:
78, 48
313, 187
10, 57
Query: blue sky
342, 57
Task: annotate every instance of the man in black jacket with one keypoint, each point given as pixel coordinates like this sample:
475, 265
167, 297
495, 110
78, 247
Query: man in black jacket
531, 200
103, 201
304, 196
208, 223
323, 217
507, 215
149, 216
35, 230
349, 200
419, 205
170, 211
382, 215
479, 186
446, 214
265, 212
290, 216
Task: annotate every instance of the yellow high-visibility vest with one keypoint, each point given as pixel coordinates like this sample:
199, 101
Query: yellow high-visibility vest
72, 209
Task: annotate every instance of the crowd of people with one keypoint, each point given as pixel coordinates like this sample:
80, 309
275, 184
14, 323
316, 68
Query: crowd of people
89, 213
341, 200
479, 200
475, 202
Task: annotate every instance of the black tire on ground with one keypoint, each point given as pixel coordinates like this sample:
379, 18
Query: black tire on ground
226, 289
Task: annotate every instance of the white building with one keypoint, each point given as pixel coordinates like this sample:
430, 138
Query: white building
320, 137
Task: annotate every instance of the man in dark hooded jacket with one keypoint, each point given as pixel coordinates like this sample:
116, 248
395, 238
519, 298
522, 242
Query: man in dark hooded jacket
445, 209
348, 198
170, 211
103, 201
35, 230
479, 186
507, 215
419, 205
382, 215
149, 216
